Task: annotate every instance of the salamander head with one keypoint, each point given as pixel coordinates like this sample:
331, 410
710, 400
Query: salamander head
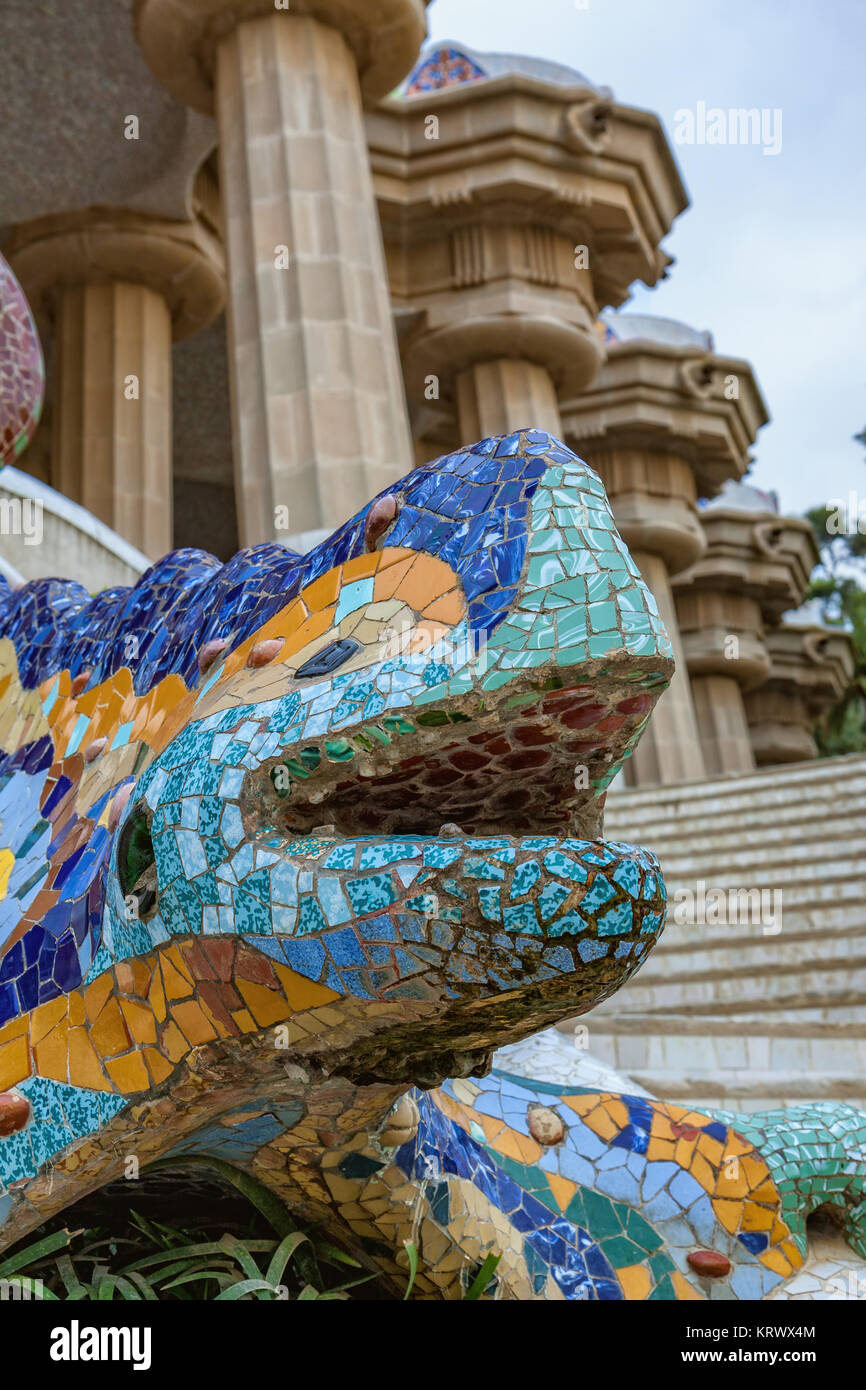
393, 785
369, 778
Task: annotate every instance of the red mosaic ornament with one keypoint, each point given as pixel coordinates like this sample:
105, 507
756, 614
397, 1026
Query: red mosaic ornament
22, 372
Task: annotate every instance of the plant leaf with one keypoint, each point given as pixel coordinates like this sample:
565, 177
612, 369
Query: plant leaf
412, 1251
43, 1247
245, 1286
282, 1255
482, 1278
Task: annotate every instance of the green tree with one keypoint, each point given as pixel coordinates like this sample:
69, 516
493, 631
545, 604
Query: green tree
839, 584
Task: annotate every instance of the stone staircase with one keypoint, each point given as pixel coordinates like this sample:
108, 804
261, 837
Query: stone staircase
749, 1014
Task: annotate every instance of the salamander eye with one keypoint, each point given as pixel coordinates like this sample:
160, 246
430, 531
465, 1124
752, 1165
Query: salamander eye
329, 659
136, 864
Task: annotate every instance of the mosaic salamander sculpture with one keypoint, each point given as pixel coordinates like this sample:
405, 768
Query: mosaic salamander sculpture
228, 805
239, 918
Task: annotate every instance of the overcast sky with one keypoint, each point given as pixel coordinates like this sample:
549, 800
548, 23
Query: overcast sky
770, 255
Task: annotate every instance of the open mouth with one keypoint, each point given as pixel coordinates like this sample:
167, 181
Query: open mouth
444, 860
448, 859
535, 757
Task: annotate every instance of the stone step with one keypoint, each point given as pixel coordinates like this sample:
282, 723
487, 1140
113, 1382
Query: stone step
791, 802
786, 820
718, 1052
728, 1062
825, 989
734, 1014
797, 779
813, 892
848, 919
798, 865
763, 954
769, 1090
791, 824
798, 1023
699, 798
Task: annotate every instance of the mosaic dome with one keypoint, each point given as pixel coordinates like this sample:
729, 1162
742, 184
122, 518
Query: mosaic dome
649, 328
742, 497
449, 64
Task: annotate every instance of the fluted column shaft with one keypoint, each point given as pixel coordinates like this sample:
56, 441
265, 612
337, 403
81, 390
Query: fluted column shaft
502, 396
111, 447
670, 749
318, 407
722, 723
652, 493
723, 639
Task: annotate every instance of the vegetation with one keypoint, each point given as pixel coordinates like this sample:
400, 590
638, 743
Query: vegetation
137, 1257
839, 585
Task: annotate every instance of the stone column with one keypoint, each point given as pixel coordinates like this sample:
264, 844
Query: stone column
652, 494
755, 567
502, 396
664, 428
111, 448
319, 415
722, 724
669, 750
512, 208
723, 643
119, 287
318, 407
780, 726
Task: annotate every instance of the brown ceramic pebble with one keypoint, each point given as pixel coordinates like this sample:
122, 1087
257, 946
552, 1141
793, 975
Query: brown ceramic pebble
545, 1126
401, 1125
263, 652
710, 1263
93, 750
14, 1112
80, 681
379, 518
118, 805
209, 653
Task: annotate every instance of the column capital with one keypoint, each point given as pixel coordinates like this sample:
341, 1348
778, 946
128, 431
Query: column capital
179, 38
811, 667
761, 555
181, 261
664, 388
708, 620
568, 350
652, 492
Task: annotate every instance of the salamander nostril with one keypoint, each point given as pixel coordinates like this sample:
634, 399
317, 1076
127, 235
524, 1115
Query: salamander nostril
329, 659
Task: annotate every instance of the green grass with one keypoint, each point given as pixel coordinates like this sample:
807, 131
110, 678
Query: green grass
245, 1246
